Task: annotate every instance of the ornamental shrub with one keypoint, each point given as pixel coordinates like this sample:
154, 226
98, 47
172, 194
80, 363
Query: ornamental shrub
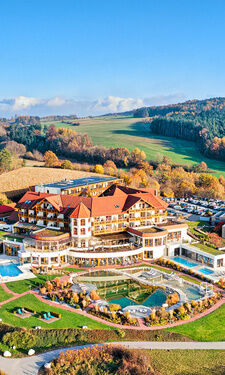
19, 339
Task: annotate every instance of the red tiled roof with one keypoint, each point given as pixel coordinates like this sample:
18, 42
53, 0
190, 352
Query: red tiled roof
5, 208
118, 200
81, 211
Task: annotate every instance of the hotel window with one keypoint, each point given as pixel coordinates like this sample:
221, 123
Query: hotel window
82, 231
75, 231
82, 222
158, 241
148, 243
149, 254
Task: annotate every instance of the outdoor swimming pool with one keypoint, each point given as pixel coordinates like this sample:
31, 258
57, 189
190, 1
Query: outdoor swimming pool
9, 270
183, 261
206, 271
158, 298
121, 289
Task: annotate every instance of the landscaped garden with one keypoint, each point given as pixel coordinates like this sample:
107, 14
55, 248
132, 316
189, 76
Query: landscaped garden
68, 319
22, 286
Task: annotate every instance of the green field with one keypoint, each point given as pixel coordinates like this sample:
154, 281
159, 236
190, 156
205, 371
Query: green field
130, 132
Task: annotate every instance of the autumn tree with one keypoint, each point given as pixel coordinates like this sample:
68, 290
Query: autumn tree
66, 164
99, 169
51, 159
6, 160
137, 154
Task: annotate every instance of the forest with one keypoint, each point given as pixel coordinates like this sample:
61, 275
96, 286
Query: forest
201, 121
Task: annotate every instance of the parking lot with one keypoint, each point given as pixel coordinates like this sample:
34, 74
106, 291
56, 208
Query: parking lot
195, 208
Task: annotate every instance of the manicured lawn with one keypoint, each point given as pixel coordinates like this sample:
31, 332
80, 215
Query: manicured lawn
24, 285
68, 320
209, 328
187, 362
4, 295
131, 132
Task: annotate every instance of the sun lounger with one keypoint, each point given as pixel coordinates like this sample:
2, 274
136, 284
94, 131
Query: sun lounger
20, 312
50, 315
46, 317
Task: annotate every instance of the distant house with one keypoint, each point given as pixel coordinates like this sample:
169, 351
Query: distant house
6, 211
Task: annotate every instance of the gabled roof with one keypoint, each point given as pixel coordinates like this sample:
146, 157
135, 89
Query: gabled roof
118, 200
81, 211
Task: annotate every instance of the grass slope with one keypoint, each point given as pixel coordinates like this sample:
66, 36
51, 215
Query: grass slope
68, 320
22, 286
130, 132
187, 362
209, 328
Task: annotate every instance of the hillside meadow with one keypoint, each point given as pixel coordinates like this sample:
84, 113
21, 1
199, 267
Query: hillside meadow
131, 132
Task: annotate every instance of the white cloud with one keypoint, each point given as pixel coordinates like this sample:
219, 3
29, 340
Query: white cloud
24, 102
116, 104
57, 105
57, 101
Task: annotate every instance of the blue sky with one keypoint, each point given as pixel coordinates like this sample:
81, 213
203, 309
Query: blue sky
94, 56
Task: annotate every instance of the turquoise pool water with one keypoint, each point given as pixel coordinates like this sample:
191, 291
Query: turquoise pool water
9, 270
123, 302
206, 271
183, 261
158, 298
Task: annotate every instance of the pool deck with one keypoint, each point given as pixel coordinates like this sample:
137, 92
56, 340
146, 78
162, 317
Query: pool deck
214, 276
25, 270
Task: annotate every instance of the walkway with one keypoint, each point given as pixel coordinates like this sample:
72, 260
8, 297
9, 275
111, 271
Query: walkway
85, 313
31, 365
141, 327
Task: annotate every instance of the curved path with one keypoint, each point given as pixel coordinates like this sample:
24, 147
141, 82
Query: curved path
141, 326
31, 365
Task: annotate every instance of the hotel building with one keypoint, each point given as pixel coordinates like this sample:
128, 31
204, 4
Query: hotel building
122, 226
92, 186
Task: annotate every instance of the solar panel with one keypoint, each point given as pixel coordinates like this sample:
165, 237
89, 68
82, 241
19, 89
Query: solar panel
79, 182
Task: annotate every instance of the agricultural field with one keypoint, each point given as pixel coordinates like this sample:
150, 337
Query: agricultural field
131, 132
22, 178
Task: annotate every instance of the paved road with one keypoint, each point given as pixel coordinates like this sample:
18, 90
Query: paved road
31, 365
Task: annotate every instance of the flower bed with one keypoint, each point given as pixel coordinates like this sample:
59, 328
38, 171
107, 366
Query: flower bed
183, 312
